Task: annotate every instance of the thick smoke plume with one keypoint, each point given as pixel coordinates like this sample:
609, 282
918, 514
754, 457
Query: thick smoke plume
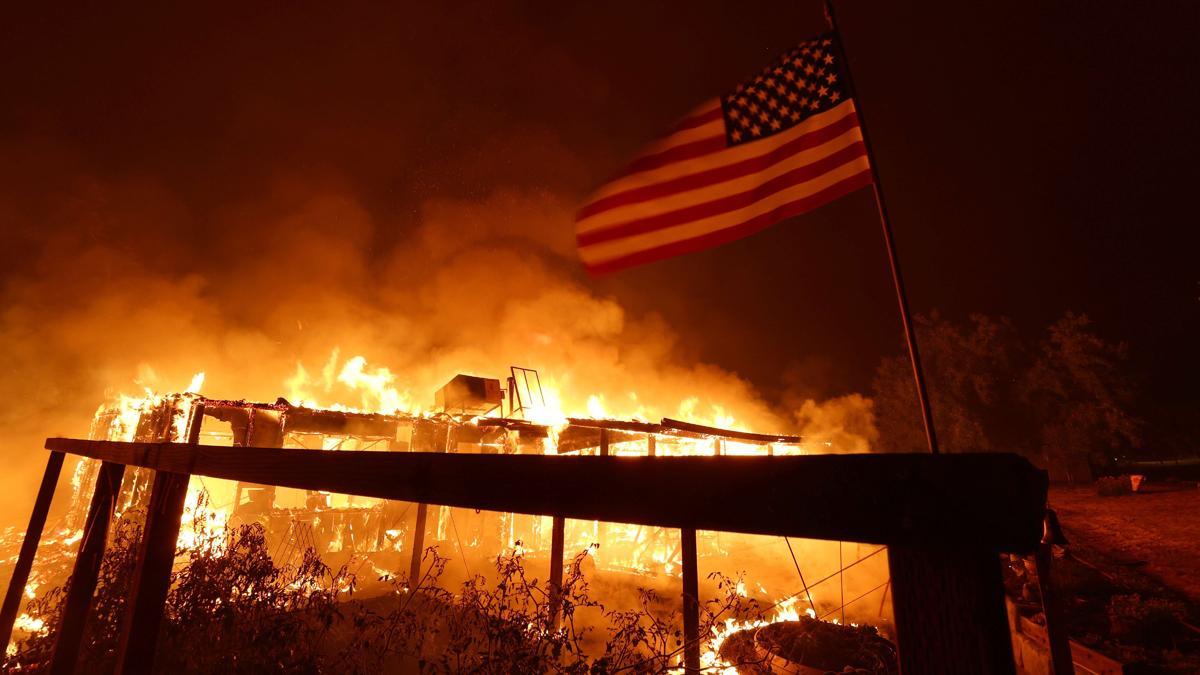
130, 290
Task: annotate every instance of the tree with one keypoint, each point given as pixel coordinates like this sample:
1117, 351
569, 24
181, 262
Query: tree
1080, 393
969, 370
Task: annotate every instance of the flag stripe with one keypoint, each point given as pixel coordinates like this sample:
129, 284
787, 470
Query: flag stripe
761, 189
731, 233
677, 153
630, 180
617, 247
722, 173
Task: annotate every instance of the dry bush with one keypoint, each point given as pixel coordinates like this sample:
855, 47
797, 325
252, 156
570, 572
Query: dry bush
231, 609
507, 626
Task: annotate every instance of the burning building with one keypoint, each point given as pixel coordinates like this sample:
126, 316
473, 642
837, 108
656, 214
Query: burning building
480, 415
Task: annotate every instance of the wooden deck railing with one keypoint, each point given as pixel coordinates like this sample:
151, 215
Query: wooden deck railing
944, 518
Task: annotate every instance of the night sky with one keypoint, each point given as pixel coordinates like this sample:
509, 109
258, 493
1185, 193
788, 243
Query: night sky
1038, 157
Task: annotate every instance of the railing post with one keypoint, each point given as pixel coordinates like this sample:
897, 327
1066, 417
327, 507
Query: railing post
156, 556
691, 602
949, 610
1061, 662
87, 568
557, 543
418, 545
33, 535
605, 451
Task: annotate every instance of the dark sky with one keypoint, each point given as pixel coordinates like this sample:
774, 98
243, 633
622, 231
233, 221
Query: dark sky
1038, 157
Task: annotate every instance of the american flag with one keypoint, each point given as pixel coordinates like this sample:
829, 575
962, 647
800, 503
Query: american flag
779, 145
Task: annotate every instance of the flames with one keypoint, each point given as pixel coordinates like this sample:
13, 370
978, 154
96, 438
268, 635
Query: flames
353, 385
375, 389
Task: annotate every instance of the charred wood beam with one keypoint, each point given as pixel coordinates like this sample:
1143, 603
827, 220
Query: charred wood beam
620, 425
988, 501
82, 585
138, 639
744, 436
557, 537
691, 603
418, 547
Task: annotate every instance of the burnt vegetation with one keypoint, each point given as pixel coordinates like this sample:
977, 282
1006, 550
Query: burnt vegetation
233, 609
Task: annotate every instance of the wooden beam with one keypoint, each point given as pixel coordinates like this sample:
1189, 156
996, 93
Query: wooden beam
87, 568
138, 639
620, 425
745, 436
1061, 662
29, 546
991, 501
949, 610
418, 547
152, 574
691, 602
557, 536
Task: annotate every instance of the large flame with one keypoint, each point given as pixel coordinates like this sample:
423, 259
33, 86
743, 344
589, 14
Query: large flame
352, 384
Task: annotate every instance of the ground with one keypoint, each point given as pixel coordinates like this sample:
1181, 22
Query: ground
1157, 533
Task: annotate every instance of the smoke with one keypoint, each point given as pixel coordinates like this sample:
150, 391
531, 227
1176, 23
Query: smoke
119, 284
841, 424
407, 200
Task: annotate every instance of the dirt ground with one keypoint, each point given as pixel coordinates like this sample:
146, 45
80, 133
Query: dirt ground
1158, 534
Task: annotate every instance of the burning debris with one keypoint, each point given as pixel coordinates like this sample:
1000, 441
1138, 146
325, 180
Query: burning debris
471, 415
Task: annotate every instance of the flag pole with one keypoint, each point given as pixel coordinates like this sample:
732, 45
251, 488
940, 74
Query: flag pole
905, 317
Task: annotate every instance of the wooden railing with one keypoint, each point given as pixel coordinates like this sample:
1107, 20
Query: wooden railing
944, 518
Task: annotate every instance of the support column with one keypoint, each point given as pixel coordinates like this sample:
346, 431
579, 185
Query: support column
1061, 662
602, 527
691, 602
557, 537
82, 585
152, 572
418, 546
949, 608
33, 535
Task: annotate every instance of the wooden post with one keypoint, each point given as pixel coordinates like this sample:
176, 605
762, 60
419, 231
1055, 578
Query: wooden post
152, 571
418, 546
949, 609
602, 527
557, 544
558, 530
33, 535
87, 567
691, 602
651, 445
1061, 662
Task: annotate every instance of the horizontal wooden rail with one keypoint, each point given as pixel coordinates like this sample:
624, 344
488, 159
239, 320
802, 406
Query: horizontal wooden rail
987, 502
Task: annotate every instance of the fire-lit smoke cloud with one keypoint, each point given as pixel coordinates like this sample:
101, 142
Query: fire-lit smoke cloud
247, 192
114, 299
